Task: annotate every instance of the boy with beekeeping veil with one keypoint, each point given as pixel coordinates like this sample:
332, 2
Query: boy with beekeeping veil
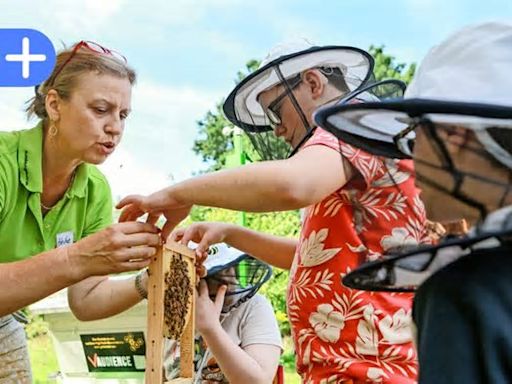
238, 337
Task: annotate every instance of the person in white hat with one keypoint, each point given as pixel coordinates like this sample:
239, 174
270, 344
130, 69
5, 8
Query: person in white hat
238, 337
353, 212
460, 105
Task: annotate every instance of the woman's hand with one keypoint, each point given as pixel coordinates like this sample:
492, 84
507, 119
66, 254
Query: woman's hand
204, 234
155, 205
208, 311
119, 248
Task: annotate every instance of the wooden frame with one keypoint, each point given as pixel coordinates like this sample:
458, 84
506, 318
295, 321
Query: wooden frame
156, 328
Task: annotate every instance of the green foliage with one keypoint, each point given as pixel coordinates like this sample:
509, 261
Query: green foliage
211, 214
36, 325
290, 374
275, 291
285, 223
212, 145
250, 67
43, 360
288, 361
386, 66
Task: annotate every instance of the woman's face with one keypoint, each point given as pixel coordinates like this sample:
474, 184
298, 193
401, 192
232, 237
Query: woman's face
90, 123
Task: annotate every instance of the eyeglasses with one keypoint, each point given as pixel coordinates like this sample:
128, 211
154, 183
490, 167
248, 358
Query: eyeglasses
91, 46
274, 108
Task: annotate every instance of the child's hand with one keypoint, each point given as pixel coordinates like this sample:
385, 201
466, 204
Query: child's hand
208, 311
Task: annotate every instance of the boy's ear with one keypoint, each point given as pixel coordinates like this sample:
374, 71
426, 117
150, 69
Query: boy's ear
315, 82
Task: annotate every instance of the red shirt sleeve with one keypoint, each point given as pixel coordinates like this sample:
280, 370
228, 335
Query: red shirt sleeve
369, 166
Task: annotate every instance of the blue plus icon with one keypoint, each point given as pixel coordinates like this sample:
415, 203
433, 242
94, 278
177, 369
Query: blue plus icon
27, 57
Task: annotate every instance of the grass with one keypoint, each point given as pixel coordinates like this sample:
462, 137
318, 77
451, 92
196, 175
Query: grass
43, 359
288, 361
291, 377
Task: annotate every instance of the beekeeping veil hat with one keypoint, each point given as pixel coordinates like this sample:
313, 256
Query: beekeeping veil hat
241, 273
285, 62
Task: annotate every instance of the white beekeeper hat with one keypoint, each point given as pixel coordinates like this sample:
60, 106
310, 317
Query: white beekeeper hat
242, 107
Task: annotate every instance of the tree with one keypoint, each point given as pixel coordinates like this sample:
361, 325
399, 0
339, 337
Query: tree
387, 68
214, 143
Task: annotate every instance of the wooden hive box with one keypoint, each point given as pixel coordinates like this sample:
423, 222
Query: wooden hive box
176, 263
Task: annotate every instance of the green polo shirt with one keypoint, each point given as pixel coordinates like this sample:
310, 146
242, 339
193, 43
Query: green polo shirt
85, 208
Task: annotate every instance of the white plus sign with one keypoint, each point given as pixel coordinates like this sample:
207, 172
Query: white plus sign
25, 58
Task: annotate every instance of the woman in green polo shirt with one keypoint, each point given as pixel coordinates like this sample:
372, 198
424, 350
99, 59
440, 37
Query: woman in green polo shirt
55, 206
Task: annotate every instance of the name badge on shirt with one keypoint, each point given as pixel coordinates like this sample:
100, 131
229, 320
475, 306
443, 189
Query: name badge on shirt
64, 238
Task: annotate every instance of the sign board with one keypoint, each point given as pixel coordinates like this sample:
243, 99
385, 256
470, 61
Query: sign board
114, 352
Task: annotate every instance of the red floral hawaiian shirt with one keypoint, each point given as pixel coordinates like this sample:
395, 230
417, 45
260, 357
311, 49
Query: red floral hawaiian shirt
341, 334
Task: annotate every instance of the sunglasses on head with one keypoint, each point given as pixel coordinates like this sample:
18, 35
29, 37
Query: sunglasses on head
92, 47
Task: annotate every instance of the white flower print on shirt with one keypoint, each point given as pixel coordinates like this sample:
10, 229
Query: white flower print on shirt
312, 250
367, 341
391, 175
327, 323
369, 166
380, 200
396, 329
400, 239
370, 255
312, 286
375, 204
375, 375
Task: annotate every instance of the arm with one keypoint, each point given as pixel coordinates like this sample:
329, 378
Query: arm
294, 183
119, 248
256, 363
99, 297
18, 291
27, 281
275, 250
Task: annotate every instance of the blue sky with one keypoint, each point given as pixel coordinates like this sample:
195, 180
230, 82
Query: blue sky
187, 54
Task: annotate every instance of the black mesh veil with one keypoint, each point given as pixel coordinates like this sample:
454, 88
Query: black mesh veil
242, 278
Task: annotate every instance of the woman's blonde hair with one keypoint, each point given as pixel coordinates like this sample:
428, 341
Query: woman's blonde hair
70, 65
